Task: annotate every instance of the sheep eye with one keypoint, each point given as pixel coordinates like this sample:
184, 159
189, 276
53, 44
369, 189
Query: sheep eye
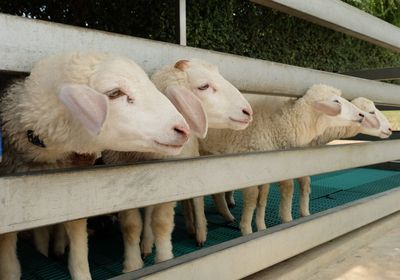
337, 101
373, 112
204, 87
115, 93
129, 99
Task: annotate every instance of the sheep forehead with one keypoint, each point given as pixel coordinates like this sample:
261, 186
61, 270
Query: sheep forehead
364, 104
322, 92
119, 72
199, 74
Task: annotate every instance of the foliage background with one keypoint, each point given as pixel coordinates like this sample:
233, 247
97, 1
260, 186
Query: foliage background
232, 26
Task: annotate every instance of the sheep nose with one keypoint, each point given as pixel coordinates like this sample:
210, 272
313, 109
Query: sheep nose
247, 112
181, 130
390, 129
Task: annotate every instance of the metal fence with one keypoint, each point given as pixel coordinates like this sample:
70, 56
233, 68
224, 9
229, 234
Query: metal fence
73, 194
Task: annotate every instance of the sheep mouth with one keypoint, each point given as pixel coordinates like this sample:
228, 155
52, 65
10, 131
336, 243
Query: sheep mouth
386, 133
358, 121
240, 121
169, 145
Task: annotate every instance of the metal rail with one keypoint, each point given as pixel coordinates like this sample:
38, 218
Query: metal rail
37, 39
245, 255
342, 17
27, 200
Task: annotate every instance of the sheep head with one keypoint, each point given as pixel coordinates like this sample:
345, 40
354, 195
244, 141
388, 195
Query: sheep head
224, 105
123, 111
374, 123
336, 110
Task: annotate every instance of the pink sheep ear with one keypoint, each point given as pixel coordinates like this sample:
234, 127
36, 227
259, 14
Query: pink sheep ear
86, 105
370, 121
329, 108
190, 107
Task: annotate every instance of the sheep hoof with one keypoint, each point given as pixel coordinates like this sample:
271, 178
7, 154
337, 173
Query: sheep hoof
231, 205
305, 214
145, 255
200, 244
133, 265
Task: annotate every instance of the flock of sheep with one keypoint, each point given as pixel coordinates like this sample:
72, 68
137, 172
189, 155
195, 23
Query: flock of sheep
77, 107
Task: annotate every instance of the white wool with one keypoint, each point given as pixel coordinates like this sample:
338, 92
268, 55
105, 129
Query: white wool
34, 104
286, 124
219, 105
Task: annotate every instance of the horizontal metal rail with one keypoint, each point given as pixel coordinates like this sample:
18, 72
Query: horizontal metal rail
246, 255
24, 41
27, 200
342, 17
376, 74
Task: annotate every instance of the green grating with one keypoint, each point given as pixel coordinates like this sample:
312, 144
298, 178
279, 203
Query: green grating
106, 250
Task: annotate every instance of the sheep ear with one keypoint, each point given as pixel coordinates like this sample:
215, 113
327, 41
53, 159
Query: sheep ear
88, 106
329, 108
190, 107
370, 122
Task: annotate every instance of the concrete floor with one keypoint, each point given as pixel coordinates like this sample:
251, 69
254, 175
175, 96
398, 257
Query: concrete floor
379, 260
369, 253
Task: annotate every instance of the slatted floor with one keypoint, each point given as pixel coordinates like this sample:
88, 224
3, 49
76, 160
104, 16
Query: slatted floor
329, 190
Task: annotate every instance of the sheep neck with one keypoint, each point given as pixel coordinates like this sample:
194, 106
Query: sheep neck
334, 133
295, 125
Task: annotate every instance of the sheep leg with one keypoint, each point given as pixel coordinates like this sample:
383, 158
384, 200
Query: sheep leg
305, 190
230, 200
60, 240
41, 239
147, 236
187, 209
285, 206
131, 227
78, 262
200, 219
162, 225
222, 207
9, 264
262, 203
250, 196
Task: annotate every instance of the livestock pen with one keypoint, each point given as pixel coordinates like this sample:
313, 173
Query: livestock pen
351, 188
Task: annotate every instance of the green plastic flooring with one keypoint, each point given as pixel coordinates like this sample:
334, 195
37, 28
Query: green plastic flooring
328, 190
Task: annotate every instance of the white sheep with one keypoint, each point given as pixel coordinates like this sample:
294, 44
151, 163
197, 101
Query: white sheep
224, 107
294, 124
374, 124
70, 108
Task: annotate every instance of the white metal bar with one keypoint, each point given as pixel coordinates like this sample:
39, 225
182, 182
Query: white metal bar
246, 255
342, 17
26, 201
182, 22
24, 41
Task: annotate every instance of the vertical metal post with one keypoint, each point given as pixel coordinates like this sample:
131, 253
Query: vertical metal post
181, 27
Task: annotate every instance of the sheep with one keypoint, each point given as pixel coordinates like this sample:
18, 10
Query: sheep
71, 108
369, 126
375, 124
295, 124
224, 107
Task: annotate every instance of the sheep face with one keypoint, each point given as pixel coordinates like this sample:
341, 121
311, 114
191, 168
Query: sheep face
224, 105
374, 123
339, 111
126, 111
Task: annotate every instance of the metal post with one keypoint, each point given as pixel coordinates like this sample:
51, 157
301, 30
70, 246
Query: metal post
181, 28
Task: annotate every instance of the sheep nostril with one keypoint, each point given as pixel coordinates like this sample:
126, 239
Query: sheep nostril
390, 129
181, 130
361, 115
247, 112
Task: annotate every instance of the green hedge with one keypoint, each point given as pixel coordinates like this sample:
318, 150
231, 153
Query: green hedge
232, 26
